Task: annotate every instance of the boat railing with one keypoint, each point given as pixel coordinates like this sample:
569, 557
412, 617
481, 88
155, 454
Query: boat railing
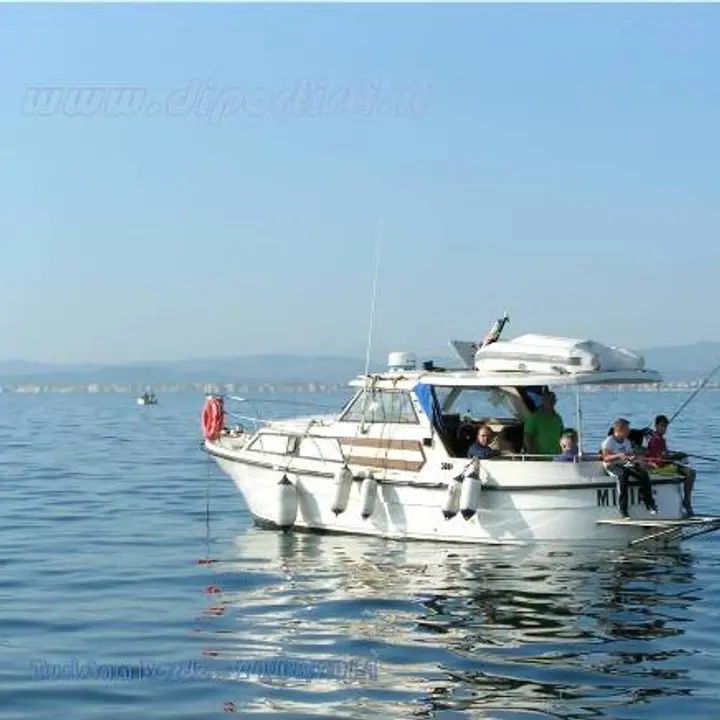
530, 457
584, 458
258, 420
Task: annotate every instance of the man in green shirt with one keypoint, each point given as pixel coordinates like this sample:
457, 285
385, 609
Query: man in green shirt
543, 428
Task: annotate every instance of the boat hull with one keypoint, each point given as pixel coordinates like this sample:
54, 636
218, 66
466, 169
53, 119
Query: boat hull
411, 512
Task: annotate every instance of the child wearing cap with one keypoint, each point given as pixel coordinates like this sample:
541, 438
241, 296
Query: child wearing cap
619, 461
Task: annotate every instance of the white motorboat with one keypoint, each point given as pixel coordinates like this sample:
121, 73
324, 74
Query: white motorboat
393, 462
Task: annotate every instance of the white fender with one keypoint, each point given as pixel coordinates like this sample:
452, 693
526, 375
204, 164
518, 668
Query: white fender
470, 495
287, 503
343, 485
368, 495
451, 506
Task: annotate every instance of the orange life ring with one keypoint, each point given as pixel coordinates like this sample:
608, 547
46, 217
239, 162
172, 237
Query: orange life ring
213, 418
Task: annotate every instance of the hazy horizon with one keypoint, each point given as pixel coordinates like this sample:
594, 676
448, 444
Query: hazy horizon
201, 181
446, 354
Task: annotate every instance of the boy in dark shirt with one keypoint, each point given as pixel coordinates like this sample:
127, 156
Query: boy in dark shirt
568, 445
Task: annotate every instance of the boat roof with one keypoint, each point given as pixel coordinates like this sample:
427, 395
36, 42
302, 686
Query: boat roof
526, 361
474, 378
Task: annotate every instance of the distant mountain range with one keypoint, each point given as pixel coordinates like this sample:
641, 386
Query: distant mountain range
250, 369
676, 363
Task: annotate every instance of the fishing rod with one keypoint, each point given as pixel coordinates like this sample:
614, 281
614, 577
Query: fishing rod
692, 396
695, 392
702, 457
679, 458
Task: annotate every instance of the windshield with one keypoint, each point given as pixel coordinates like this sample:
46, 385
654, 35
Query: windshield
381, 406
477, 402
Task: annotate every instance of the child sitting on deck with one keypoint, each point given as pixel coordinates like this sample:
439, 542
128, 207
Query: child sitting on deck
618, 459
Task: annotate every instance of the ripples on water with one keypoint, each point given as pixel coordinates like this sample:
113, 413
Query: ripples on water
105, 533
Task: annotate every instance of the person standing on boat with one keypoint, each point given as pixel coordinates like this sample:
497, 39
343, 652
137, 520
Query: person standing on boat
658, 456
619, 461
544, 428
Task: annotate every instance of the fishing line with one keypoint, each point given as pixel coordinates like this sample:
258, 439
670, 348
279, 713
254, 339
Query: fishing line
695, 393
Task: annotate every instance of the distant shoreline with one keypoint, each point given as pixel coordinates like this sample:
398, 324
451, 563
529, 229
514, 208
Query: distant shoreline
160, 389
285, 388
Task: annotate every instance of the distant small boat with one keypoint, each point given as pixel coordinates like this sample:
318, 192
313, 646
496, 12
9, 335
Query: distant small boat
147, 398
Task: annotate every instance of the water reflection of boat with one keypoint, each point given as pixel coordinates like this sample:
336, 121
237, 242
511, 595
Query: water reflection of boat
458, 629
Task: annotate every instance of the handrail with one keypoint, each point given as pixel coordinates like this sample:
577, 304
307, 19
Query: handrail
585, 457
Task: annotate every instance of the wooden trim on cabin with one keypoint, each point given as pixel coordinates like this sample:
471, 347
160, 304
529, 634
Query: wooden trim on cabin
386, 463
382, 443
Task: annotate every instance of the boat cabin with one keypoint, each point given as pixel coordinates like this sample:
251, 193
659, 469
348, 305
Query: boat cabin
453, 412
501, 390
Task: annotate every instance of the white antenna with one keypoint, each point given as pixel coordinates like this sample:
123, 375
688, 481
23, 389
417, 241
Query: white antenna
374, 298
372, 323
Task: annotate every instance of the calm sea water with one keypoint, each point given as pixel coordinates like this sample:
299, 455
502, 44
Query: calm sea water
109, 609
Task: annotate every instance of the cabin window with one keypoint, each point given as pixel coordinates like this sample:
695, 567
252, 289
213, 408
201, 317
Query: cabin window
483, 403
381, 406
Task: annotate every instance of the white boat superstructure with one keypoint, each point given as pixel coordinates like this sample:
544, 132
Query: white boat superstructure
393, 462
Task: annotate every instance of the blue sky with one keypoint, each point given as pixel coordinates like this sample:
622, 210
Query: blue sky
559, 162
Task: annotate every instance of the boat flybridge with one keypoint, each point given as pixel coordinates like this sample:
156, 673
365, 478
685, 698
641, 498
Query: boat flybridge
394, 461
